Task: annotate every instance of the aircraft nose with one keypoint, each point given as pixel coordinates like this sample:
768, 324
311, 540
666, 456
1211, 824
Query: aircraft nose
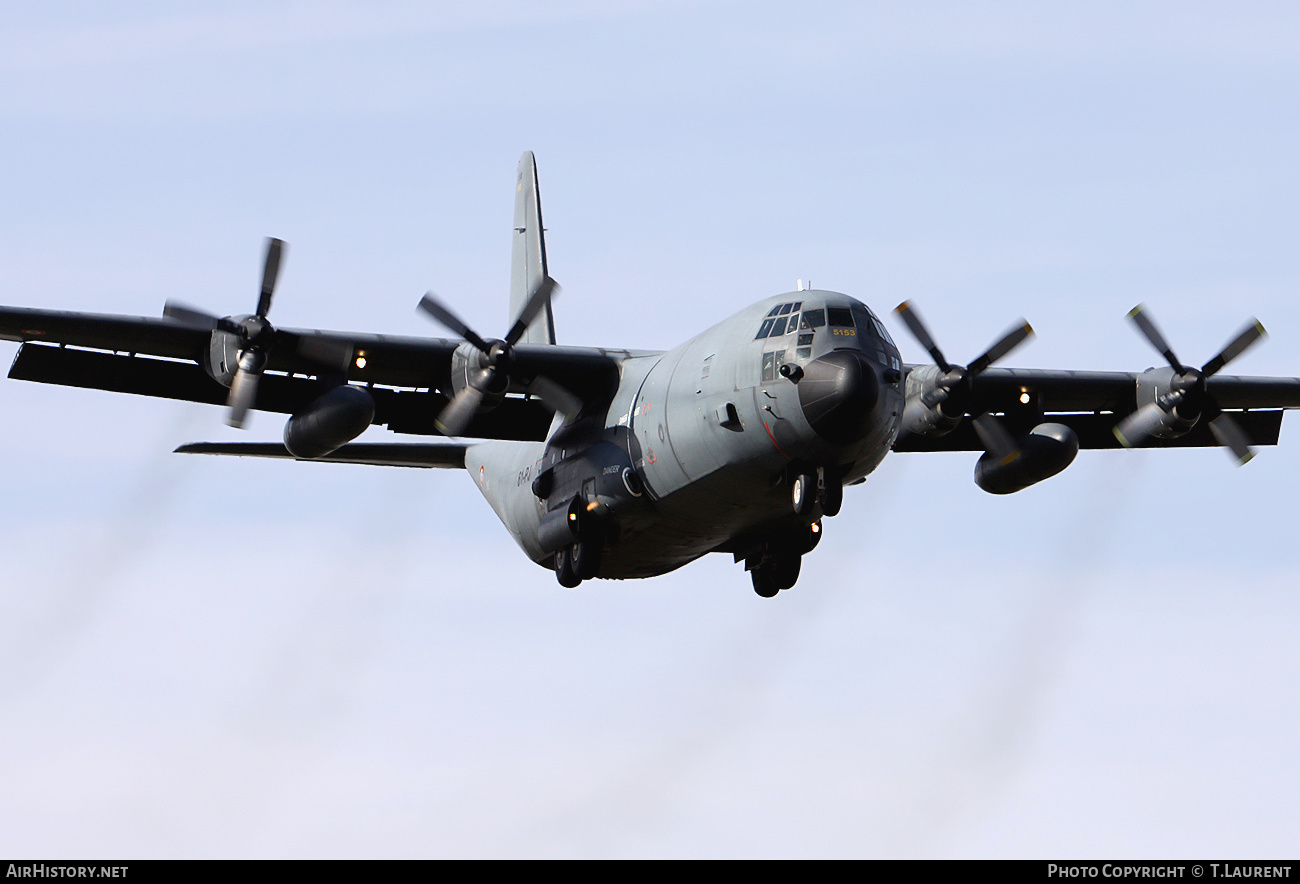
837, 393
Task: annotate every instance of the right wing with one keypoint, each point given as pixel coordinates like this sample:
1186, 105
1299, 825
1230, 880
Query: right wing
409, 377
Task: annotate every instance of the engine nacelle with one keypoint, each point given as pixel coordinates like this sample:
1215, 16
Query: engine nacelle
222, 357
918, 418
1044, 451
1163, 410
330, 422
467, 362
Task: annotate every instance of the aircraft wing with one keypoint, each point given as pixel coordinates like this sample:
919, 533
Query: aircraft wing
1092, 402
409, 377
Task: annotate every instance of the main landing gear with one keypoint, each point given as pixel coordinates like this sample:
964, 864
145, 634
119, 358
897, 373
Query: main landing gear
579, 561
776, 566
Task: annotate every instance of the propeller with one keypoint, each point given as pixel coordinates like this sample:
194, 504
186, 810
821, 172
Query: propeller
1188, 386
495, 376
995, 438
955, 376
256, 335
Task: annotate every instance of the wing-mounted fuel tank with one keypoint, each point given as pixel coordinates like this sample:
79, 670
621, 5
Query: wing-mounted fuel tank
1041, 453
331, 421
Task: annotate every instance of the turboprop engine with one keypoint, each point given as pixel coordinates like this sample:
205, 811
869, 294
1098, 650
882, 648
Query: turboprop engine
330, 422
1171, 400
1164, 410
1040, 454
937, 395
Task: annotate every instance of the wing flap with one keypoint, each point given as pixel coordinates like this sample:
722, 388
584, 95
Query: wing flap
97, 370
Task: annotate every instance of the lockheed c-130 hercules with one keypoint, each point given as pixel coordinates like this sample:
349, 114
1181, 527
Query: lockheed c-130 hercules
623, 464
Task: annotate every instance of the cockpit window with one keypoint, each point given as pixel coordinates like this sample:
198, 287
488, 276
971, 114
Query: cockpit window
813, 319
840, 317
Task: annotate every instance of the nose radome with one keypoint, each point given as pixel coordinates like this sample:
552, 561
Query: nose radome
838, 392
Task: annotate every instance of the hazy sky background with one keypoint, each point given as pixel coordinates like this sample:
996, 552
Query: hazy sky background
208, 657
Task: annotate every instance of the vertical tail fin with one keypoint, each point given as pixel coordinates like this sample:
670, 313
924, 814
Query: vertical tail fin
528, 257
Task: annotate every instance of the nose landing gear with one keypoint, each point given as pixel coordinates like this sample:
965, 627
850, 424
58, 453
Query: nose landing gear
811, 489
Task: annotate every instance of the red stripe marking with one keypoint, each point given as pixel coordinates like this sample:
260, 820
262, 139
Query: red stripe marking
773, 438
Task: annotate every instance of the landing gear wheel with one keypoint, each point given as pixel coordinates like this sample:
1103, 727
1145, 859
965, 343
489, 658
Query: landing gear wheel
803, 494
764, 582
564, 569
832, 497
584, 557
785, 570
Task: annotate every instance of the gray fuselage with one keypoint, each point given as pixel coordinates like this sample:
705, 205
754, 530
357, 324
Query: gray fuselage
696, 448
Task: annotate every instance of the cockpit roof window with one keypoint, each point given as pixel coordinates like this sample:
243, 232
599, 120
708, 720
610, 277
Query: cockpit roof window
776, 321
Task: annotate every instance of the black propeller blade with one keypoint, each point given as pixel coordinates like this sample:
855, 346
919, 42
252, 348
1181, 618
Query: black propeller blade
497, 373
1188, 385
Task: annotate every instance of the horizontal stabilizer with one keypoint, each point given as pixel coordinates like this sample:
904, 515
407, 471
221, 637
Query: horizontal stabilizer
444, 455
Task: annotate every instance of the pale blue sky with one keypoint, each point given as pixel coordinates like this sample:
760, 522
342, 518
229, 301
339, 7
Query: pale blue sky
230, 658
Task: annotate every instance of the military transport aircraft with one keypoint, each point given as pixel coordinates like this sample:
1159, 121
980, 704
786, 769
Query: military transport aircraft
621, 464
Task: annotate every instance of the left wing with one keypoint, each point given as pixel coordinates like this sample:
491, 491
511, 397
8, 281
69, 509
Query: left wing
408, 377
1092, 403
